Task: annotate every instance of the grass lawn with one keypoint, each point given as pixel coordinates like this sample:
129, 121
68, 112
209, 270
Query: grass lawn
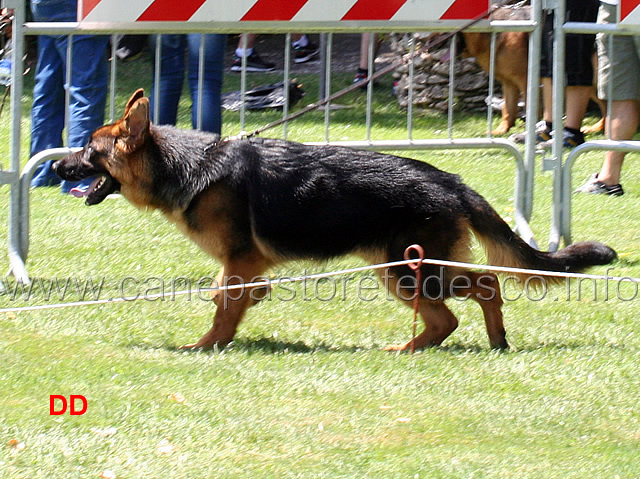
306, 390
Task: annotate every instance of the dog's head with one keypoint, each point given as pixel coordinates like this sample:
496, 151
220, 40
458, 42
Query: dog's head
114, 154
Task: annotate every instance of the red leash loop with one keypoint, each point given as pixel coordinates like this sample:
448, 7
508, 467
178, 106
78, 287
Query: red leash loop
416, 298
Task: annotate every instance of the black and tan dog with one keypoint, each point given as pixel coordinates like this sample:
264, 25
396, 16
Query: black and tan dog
253, 203
511, 58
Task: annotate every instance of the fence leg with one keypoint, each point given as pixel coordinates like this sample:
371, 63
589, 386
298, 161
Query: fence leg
17, 267
533, 95
20, 213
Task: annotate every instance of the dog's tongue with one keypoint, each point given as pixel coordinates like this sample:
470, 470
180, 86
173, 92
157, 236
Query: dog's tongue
81, 192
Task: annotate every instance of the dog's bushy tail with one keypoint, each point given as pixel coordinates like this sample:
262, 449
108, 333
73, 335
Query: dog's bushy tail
505, 248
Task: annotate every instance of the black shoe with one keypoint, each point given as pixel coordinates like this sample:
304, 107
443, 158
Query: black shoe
306, 53
595, 187
254, 64
130, 47
360, 76
569, 139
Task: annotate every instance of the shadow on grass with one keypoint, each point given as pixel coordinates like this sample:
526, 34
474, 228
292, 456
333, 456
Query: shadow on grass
628, 262
559, 346
264, 345
272, 346
461, 348
275, 346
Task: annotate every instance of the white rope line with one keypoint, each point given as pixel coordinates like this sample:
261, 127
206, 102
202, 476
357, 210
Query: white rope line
532, 272
150, 297
316, 276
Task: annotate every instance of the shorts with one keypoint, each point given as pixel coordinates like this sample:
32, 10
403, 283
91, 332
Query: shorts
619, 63
579, 47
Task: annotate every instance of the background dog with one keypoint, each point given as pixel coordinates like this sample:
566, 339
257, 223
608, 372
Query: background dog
512, 65
253, 203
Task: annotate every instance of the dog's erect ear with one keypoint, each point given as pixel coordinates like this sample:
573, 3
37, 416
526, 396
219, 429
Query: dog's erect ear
138, 94
135, 123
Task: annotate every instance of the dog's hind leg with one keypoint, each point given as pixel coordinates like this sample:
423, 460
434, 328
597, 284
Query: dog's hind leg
511, 95
489, 298
439, 323
484, 289
233, 303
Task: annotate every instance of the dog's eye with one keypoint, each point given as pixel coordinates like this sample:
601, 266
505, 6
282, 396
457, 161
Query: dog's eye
92, 151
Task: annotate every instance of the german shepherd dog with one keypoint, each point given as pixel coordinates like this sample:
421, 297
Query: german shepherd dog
252, 203
511, 66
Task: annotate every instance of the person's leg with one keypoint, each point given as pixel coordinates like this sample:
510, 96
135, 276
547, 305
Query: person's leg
618, 75
365, 42
214, 48
363, 65
47, 111
246, 41
547, 100
577, 100
88, 87
254, 62
544, 127
578, 68
576, 103
87, 90
623, 124
169, 89
304, 49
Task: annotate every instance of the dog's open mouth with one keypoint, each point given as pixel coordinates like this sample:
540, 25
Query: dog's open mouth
100, 188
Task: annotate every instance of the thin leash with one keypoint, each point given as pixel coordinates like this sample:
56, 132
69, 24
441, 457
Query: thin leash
417, 269
439, 40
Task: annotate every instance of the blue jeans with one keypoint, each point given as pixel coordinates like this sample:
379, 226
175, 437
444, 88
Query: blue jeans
172, 71
87, 86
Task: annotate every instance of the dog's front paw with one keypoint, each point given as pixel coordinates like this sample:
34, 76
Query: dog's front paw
192, 346
398, 347
205, 345
213, 338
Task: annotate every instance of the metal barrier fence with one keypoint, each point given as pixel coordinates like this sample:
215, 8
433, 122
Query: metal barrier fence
10, 176
258, 16
628, 24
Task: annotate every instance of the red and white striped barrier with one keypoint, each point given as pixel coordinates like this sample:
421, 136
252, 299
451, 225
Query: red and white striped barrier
629, 12
279, 10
